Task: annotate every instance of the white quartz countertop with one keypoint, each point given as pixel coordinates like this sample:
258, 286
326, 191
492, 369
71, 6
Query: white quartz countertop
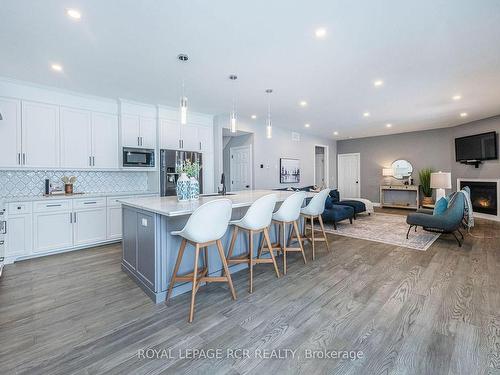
34, 198
170, 206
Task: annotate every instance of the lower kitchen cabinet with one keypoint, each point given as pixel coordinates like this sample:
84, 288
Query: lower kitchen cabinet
114, 223
52, 231
19, 236
89, 226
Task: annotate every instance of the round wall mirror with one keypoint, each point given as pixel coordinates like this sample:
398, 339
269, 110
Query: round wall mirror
401, 169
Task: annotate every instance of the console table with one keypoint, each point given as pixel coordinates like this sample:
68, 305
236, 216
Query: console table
400, 196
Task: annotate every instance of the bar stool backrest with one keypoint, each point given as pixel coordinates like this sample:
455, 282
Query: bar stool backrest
290, 208
316, 205
260, 213
208, 222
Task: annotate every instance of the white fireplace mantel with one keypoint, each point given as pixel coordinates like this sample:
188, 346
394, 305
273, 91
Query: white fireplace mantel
478, 214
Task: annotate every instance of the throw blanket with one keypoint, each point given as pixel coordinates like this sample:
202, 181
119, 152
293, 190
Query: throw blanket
368, 204
468, 213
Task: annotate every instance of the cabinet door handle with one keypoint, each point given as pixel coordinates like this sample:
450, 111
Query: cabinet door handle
53, 205
74, 217
90, 161
71, 218
93, 161
142, 143
19, 158
138, 144
24, 158
200, 146
89, 202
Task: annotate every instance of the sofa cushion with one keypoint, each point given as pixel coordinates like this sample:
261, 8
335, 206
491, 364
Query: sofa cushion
335, 195
338, 213
440, 206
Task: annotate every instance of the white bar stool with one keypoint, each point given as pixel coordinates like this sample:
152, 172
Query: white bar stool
313, 211
206, 226
288, 213
256, 220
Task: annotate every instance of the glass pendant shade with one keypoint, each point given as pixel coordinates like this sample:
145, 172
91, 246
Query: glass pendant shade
183, 109
269, 129
233, 122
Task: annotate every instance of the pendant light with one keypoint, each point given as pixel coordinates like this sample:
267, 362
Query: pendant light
183, 58
232, 116
269, 125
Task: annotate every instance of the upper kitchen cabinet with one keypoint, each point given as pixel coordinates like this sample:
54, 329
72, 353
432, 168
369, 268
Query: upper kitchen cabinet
138, 131
76, 138
205, 136
105, 150
10, 131
40, 135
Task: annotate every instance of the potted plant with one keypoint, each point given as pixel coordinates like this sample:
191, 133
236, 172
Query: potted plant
425, 181
193, 171
183, 183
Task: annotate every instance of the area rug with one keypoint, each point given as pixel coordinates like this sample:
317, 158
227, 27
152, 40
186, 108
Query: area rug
385, 228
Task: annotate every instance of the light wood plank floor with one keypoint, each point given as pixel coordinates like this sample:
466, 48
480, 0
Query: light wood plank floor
407, 311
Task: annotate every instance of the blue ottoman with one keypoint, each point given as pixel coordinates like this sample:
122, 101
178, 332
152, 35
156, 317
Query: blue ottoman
337, 213
356, 205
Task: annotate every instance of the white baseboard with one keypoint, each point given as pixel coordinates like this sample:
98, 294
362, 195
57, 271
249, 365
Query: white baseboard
376, 204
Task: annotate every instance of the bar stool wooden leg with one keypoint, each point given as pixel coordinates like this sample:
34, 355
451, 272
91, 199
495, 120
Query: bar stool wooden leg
323, 230
261, 246
271, 251
176, 268
312, 237
250, 259
195, 275
284, 249
296, 227
224, 265
231, 245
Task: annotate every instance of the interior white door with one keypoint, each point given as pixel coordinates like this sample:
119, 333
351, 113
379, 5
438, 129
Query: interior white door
130, 126
319, 170
241, 168
40, 139
52, 231
349, 175
105, 140
170, 134
75, 138
90, 226
10, 132
148, 132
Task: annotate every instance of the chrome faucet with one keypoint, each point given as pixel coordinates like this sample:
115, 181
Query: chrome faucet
223, 182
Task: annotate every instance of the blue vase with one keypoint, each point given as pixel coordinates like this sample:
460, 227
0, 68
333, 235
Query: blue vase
194, 189
183, 188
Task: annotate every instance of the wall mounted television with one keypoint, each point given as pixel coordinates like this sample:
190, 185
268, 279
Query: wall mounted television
475, 148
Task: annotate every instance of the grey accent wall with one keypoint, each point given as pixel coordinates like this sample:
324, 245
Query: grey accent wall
269, 151
431, 148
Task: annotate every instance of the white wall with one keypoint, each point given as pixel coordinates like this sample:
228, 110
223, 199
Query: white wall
269, 151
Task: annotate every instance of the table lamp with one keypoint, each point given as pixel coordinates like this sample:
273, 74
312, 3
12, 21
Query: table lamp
387, 172
440, 181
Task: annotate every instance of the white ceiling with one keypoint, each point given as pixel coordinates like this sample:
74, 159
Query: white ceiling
426, 51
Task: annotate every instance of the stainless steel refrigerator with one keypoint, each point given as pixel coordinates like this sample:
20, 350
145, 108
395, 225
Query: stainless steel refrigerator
169, 162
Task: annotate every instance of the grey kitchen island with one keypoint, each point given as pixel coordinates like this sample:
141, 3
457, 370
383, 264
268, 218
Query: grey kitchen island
150, 251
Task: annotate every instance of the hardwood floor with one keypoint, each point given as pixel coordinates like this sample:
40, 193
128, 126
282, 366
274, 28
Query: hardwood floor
407, 311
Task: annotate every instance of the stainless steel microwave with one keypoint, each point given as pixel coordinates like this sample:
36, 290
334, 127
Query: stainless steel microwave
138, 157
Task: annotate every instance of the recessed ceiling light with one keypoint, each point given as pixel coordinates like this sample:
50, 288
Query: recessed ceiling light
388, 125
73, 13
378, 83
320, 32
463, 114
56, 67
366, 114
303, 103
307, 125
457, 97
335, 133
253, 117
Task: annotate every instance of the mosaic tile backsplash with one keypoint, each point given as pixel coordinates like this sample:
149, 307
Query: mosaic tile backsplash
31, 183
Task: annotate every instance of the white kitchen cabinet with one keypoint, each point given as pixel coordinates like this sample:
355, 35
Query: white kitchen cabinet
114, 222
18, 241
147, 133
52, 231
40, 135
204, 138
170, 134
89, 226
76, 138
189, 138
10, 132
138, 131
105, 152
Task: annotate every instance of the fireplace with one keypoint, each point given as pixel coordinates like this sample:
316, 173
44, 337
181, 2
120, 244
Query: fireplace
484, 196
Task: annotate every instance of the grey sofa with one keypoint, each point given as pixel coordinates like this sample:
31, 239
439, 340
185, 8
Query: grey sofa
448, 222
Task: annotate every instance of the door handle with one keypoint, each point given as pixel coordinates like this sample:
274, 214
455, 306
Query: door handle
247, 186
93, 161
19, 158
74, 217
71, 218
138, 141
90, 202
24, 158
53, 205
90, 161
200, 146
